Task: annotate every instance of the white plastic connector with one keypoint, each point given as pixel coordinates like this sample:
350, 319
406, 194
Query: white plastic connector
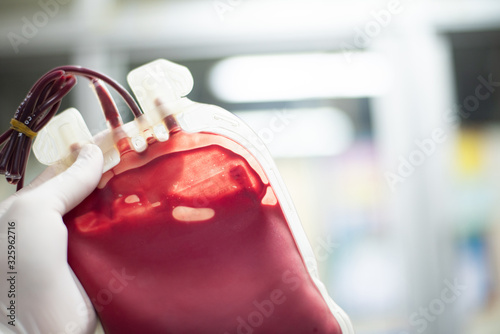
160, 80
65, 133
56, 141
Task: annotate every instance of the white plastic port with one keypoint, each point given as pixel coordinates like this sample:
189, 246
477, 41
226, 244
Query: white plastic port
54, 142
160, 81
63, 134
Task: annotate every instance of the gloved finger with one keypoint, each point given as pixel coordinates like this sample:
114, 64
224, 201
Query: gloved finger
58, 168
66, 190
47, 174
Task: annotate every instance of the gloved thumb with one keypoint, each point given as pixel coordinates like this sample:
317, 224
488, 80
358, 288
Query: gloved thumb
66, 190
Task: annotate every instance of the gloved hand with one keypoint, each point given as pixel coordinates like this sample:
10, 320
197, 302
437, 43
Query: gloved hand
38, 291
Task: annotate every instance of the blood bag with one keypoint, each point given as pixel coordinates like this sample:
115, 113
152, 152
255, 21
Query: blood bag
190, 229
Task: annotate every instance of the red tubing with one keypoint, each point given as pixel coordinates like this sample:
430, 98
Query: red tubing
41, 104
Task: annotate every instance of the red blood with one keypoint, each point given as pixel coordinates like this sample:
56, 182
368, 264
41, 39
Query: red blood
187, 237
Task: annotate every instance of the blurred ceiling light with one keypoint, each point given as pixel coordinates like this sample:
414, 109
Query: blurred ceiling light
290, 77
301, 132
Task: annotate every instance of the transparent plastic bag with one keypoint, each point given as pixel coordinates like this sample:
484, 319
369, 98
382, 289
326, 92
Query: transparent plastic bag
194, 232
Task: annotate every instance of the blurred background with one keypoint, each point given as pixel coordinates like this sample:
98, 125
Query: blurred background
383, 118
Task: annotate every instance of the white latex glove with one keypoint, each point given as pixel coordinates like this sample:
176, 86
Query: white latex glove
47, 296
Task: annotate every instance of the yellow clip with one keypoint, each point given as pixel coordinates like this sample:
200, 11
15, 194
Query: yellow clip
22, 128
